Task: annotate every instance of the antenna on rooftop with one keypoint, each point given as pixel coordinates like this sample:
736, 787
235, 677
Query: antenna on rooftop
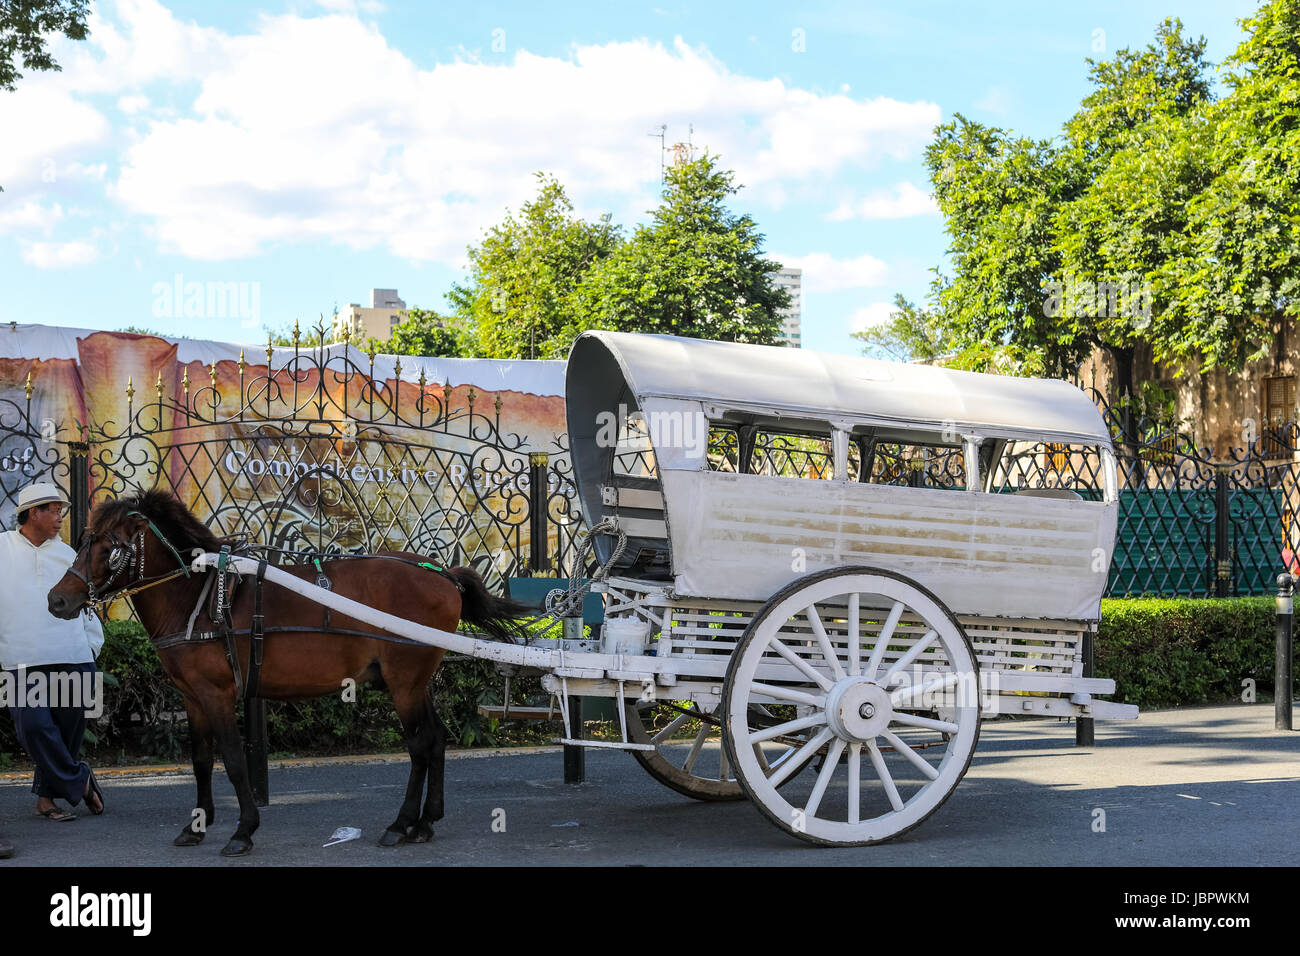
661, 131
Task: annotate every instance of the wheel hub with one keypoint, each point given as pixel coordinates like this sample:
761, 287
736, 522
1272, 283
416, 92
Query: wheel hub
858, 710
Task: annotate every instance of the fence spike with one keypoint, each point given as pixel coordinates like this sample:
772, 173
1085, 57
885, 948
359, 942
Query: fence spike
29, 387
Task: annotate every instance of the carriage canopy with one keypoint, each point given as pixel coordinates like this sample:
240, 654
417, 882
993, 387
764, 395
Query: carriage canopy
696, 515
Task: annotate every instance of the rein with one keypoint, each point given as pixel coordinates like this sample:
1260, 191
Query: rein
127, 554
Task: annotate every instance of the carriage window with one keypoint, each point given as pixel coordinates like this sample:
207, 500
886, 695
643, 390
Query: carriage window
634, 455
1033, 467
915, 464
791, 455
724, 448
754, 450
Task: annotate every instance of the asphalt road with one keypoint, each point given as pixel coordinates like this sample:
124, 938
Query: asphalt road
1192, 787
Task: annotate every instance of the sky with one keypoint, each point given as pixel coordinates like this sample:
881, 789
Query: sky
283, 159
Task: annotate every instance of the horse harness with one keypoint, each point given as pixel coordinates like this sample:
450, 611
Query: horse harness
128, 555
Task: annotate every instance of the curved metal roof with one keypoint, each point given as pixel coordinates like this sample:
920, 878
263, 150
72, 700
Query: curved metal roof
797, 382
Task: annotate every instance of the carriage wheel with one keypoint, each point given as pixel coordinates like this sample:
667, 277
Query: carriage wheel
880, 678
682, 762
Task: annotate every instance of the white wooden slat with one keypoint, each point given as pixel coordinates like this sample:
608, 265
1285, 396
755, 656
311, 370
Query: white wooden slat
640, 498
643, 527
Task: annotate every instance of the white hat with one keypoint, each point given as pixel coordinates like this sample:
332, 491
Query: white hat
40, 493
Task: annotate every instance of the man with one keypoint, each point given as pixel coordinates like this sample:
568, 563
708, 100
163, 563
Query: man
36, 645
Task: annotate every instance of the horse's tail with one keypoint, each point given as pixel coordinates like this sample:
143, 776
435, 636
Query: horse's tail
495, 616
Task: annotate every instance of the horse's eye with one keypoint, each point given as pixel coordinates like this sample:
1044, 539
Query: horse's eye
116, 558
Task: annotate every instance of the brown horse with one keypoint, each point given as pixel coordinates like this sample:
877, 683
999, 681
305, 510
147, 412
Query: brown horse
143, 545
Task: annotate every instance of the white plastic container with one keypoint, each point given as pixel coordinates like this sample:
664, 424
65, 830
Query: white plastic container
625, 635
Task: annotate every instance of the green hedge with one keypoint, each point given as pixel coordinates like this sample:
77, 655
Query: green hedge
1166, 652
1160, 653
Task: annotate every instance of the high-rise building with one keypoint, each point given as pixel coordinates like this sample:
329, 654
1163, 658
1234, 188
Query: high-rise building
791, 280
385, 313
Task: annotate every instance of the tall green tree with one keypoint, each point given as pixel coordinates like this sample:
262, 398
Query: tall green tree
24, 26
518, 299
1236, 273
696, 269
1058, 246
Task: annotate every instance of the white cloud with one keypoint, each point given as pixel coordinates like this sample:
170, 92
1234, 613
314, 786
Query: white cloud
824, 273
132, 104
316, 128
902, 201
46, 129
30, 216
870, 316
58, 255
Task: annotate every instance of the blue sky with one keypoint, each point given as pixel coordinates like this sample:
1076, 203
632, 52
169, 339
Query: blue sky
299, 154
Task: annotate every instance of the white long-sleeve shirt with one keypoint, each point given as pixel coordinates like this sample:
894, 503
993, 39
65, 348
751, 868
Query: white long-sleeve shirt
29, 634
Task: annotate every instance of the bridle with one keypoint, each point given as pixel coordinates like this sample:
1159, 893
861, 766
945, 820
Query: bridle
126, 556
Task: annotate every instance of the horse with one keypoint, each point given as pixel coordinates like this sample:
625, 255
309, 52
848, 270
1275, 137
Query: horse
141, 545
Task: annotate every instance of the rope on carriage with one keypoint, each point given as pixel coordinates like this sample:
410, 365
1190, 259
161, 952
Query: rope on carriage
561, 603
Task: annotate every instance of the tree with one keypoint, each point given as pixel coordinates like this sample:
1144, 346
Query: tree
911, 334
423, 333
1236, 268
517, 302
696, 270
1060, 246
23, 27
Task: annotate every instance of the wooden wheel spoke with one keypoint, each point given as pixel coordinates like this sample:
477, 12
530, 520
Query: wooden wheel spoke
855, 783
905, 695
724, 765
913, 720
918, 761
878, 761
788, 694
824, 778
915, 651
667, 732
696, 747
854, 636
789, 727
882, 641
824, 642
802, 665
797, 758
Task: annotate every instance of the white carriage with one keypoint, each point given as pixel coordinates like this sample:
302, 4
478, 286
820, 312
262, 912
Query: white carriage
844, 564
847, 562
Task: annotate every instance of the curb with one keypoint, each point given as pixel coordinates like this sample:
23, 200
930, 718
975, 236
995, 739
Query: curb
172, 770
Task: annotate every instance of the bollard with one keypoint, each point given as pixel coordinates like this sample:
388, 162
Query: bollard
575, 758
1084, 727
1283, 666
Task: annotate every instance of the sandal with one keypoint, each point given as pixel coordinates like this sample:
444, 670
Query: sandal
57, 815
92, 789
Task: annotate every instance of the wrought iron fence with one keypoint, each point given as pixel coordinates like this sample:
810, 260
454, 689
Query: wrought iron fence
317, 455
320, 455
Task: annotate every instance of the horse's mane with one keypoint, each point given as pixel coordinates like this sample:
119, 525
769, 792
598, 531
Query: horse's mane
164, 509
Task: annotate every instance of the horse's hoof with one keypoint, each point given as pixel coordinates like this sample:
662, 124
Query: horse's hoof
237, 847
188, 838
421, 832
392, 838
